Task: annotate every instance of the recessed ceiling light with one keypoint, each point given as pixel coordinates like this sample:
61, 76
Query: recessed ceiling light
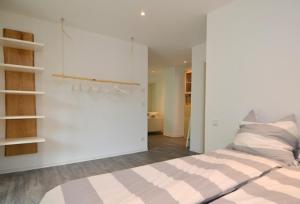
185, 62
143, 13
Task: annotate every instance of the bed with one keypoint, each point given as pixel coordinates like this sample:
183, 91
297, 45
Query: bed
260, 166
281, 186
278, 140
192, 179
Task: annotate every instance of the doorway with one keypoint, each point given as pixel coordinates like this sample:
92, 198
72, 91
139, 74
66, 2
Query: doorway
169, 106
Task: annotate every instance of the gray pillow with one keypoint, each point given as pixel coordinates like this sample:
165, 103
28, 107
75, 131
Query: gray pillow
277, 140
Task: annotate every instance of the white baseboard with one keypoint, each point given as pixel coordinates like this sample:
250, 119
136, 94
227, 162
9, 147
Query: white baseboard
14, 170
196, 150
173, 135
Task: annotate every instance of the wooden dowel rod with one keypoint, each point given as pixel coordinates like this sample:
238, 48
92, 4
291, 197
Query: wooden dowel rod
95, 80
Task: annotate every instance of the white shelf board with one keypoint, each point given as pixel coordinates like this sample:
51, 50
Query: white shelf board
20, 68
20, 44
22, 117
21, 92
23, 140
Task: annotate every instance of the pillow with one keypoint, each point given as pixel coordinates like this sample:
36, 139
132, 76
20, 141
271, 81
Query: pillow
251, 117
277, 140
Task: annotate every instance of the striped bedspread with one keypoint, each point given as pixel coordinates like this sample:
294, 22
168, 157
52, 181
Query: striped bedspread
281, 186
192, 179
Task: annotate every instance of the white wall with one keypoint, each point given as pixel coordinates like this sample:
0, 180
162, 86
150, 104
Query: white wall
169, 93
174, 102
253, 62
198, 98
157, 79
82, 126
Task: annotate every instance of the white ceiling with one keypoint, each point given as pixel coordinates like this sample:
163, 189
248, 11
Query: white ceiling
170, 27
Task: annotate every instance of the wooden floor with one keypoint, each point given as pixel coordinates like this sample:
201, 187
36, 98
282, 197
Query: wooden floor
30, 186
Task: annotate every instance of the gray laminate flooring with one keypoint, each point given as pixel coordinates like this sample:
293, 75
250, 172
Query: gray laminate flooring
30, 186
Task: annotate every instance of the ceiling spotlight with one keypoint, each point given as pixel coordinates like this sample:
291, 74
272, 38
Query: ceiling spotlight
185, 62
143, 13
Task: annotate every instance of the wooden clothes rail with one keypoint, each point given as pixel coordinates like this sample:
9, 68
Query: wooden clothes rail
95, 80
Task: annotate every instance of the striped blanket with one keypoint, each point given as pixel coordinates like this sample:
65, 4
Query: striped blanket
193, 179
281, 186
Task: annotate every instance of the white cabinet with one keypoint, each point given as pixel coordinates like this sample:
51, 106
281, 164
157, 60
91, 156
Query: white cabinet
155, 122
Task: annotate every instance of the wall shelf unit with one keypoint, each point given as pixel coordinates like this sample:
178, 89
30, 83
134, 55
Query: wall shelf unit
188, 86
20, 68
188, 101
22, 140
17, 92
20, 44
20, 92
188, 82
23, 117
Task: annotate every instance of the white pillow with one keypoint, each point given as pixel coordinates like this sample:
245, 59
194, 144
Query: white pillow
278, 140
